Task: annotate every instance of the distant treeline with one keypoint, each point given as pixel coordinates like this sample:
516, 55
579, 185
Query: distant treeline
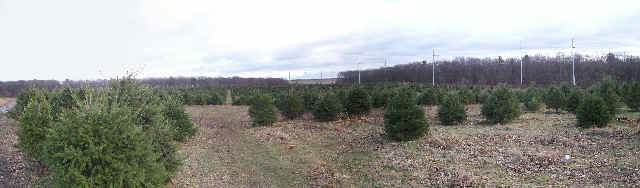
541, 70
13, 88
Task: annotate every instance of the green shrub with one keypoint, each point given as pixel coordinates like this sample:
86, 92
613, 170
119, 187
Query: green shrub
501, 106
556, 99
241, 100
430, 96
328, 108
607, 90
380, 98
358, 102
214, 99
466, 96
291, 106
533, 103
178, 118
452, 110
103, 146
35, 121
310, 99
21, 103
593, 112
403, 118
262, 111
119, 137
574, 100
632, 96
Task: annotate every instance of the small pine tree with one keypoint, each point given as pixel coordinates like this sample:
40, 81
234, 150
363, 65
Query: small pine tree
291, 105
328, 108
533, 103
607, 90
262, 111
380, 98
556, 99
103, 146
574, 100
358, 102
21, 103
502, 106
632, 96
466, 96
36, 121
178, 118
310, 98
430, 96
452, 110
593, 112
403, 118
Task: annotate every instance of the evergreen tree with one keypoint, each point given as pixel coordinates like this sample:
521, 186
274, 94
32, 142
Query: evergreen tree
291, 105
328, 108
632, 96
556, 99
593, 112
404, 119
358, 102
452, 110
574, 100
502, 106
262, 111
430, 96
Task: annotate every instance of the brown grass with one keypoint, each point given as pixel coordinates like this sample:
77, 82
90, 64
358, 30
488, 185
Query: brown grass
529, 151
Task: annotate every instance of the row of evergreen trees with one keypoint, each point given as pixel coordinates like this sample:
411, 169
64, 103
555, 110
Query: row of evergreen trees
123, 136
595, 106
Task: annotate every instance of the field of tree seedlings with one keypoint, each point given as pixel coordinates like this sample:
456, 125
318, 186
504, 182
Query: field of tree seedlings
373, 135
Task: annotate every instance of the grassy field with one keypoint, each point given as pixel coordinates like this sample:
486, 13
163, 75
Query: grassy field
537, 149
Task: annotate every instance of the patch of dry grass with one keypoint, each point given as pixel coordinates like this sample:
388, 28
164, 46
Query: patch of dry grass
529, 151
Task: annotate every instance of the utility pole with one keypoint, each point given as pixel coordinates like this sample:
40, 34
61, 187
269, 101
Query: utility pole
358, 62
521, 62
433, 69
573, 60
289, 76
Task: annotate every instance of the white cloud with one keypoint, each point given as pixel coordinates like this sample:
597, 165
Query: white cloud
94, 39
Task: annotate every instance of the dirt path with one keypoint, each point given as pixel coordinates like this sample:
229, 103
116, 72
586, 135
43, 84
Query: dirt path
221, 155
14, 172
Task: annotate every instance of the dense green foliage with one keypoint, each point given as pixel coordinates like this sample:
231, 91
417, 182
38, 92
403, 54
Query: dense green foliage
328, 108
607, 90
404, 119
310, 98
631, 96
358, 102
467, 96
502, 106
430, 96
452, 110
555, 99
593, 112
123, 136
35, 121
21, 103
381, 97
290, 105
575, 98
532, 100
262, 110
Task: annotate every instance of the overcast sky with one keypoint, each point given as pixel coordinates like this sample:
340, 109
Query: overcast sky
87, 39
